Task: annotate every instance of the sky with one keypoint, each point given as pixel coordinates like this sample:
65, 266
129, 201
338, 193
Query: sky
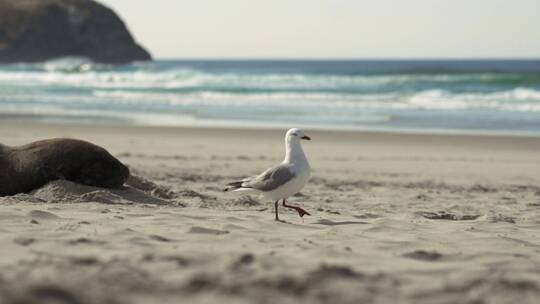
338, 29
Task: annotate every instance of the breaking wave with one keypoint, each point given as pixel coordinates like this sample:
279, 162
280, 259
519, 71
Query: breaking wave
392, 94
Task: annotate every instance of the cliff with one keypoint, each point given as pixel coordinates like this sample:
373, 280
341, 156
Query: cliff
38, 30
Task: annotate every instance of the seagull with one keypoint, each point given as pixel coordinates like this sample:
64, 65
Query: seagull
284, 180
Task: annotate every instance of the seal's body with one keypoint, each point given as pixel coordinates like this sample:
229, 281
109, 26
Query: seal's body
25, 168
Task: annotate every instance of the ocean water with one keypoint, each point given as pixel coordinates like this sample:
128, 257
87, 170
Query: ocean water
470, 96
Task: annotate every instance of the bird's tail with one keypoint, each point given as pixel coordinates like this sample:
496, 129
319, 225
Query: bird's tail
233, 186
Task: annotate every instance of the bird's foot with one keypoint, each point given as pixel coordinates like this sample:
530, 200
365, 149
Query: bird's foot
301, 212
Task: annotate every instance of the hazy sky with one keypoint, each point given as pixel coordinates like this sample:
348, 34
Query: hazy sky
334, 28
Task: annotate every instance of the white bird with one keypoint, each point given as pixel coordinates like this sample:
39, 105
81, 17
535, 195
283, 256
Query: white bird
284, 180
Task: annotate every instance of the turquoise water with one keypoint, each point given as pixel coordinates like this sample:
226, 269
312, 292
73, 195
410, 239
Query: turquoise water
420, 96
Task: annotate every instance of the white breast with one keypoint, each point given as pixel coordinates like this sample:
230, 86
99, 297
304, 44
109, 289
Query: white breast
302, 174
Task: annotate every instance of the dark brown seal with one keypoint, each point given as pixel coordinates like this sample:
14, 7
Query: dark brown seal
25, 168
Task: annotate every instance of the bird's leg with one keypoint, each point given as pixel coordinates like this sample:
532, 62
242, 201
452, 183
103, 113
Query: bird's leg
301, 212
276, 207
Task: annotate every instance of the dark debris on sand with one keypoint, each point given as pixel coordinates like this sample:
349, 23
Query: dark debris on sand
443, 215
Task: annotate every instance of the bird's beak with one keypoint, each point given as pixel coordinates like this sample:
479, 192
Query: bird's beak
306, 137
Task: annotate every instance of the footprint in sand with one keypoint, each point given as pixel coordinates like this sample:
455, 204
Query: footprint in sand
42, 215
424, 255
24, 241
333, 223
234, 227
244, 260
203, 230
49, 294
159, 238
85, 241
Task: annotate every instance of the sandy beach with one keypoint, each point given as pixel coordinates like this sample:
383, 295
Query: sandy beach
396, 218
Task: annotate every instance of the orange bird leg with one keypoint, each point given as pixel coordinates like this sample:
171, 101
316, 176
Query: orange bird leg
301, 212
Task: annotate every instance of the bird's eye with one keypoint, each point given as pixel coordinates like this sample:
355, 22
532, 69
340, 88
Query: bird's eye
295, 134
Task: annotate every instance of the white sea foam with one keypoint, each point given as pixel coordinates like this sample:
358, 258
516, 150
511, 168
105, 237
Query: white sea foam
518, 99
89, 75
515, 100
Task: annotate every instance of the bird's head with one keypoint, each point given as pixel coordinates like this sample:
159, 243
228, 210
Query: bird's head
296, 134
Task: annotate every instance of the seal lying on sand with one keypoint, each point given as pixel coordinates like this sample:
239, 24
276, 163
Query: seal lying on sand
25, 168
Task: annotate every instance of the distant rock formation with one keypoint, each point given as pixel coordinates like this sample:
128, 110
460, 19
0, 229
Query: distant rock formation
38, 30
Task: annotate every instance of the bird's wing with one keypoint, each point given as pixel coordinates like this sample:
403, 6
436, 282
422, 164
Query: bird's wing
270, 179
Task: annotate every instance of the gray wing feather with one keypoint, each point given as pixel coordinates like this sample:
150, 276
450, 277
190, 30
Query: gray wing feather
270, 179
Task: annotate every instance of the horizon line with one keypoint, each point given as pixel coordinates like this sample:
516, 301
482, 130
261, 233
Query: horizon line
353, 58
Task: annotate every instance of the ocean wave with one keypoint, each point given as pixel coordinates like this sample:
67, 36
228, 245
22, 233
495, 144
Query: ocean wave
518, 99
269, 99
80, 73
166, 92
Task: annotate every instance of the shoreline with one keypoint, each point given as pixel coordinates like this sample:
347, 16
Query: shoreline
232, 126
463, 159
